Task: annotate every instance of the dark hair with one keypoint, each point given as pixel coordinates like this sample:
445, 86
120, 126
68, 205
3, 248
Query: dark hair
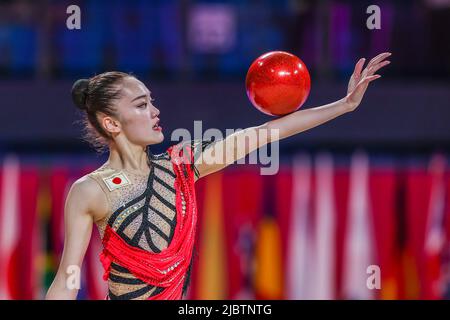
95, 95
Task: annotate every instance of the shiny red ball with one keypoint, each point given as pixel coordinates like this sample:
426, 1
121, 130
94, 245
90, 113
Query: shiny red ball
278, 83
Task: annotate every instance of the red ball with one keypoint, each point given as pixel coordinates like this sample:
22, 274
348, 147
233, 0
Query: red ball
278, 83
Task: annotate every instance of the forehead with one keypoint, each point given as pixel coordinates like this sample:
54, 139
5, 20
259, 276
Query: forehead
132, 87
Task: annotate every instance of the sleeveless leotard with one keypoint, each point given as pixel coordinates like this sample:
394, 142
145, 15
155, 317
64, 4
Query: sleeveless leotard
142, 212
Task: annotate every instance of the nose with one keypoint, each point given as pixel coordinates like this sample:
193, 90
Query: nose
155, 112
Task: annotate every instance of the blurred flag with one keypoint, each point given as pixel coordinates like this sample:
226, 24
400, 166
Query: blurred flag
284, 196
53, 189
268, 259
383, 184
300, 265
342, 189
358, 254
435, 232
28, 230
242, 190
245, 245
417, 190
325, 228
446, 251
212, 280
9, 229
60, 182
46, 267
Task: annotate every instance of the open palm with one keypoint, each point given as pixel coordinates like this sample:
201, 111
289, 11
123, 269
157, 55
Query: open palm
360, 79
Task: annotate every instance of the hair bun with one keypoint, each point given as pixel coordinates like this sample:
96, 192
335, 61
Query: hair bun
79, 93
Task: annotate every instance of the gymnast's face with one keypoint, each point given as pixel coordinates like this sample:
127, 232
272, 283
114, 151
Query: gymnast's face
137, 114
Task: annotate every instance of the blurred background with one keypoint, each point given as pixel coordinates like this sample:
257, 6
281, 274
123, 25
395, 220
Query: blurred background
360, 208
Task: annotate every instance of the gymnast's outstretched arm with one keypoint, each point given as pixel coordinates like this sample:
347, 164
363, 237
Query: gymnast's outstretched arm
237, 145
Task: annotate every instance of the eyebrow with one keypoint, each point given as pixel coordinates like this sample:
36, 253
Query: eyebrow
139, 97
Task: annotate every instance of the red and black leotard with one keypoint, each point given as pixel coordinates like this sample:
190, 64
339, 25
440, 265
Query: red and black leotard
148, 238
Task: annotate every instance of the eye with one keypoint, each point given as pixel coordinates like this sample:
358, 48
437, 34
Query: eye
142, 106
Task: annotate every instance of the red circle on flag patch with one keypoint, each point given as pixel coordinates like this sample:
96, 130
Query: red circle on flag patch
116, 180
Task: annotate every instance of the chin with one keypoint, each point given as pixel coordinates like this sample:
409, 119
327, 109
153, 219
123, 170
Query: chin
156, 139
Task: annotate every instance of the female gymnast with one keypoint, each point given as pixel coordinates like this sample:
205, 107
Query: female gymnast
143, 204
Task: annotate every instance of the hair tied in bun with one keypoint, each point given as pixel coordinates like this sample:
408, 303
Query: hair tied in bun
79, 93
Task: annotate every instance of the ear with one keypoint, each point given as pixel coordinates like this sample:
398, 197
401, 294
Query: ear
110, 124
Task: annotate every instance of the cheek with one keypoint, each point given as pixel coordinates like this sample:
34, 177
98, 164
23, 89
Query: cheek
138, 123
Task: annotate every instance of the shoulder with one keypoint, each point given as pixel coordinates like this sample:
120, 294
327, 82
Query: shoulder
86, 196
85, 187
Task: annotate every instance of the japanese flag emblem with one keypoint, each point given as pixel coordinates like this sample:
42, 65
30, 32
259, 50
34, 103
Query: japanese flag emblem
116, 181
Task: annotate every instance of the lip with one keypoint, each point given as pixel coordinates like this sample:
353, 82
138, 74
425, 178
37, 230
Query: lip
158, 127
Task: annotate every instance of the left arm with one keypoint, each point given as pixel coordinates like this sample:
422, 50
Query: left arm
234, 147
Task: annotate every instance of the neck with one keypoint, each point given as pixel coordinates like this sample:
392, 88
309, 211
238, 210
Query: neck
128, 157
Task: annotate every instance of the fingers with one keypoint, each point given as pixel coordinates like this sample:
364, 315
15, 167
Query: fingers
377, 67
359, 66
378, 58
363, 84
366, 80
371, 78
373, 66
376, 63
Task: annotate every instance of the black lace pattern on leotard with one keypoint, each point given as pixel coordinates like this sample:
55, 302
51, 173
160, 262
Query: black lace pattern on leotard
145, 230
